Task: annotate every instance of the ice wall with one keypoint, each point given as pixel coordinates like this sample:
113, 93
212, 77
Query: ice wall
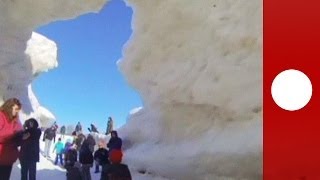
198, 68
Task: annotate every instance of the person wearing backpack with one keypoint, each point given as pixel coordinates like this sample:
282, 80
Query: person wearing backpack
86, 160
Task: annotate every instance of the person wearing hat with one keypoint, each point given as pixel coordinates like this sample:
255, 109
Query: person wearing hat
116, 170
115, 141
29, 151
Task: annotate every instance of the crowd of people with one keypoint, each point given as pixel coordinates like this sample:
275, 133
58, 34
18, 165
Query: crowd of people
77, 155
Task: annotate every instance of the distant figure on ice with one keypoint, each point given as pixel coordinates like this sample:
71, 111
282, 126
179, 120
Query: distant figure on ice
48, 136
86, 160
109, 126
10, 127
59, 151
78, 128
116, 170
115, 142
93, 128
101, 156
55, 125
29, 152
63, 131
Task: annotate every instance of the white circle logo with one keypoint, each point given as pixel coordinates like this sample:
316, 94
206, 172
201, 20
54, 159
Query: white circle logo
291, 90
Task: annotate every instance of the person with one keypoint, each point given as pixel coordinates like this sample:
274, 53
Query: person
74, 136
59, 151
93, 128
101, 156
79, 140
78, 128
86, 160
116, 170
109, 126
71, 164
48, 136
67, 146
29, 151
115, 142
91, 142
55, 125
10, 131
63, 131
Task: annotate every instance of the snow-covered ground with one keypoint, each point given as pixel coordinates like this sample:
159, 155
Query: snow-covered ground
46, 170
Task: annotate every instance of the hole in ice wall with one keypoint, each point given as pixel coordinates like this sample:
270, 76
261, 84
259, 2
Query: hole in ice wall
87, 85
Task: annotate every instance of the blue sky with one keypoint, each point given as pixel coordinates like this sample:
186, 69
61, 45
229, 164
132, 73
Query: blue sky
87, 85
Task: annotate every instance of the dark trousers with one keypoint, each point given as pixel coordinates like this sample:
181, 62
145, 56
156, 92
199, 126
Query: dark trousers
59, 156
86, 171
5, 172
28, 169
97, 166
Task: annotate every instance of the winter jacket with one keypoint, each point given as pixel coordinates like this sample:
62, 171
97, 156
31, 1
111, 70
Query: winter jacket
116, 172
67, 146
8, 145
94, 129
114, 142
85, 154
109, 127
74, 173
91, 142
30, 147
79, 140
78, 128
63, 130
59, 147
101, 155
70, 158
49, 134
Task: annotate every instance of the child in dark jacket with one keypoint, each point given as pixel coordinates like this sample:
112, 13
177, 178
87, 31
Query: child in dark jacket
29, 152
116, 170
86, 160
101, 156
